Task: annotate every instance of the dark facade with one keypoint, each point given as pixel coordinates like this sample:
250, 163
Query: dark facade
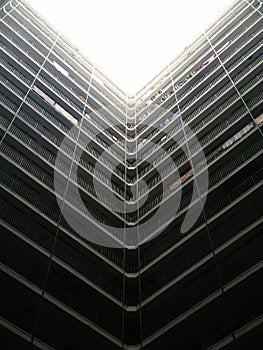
131, 278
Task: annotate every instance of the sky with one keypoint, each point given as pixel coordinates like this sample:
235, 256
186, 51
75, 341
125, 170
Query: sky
130, 41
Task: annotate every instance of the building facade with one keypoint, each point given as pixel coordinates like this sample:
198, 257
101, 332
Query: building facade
161, 243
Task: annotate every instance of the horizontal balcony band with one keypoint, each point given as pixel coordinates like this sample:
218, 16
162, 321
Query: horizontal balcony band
167, 219
48, 214
167, 193
96, 282
78, 111
201, 45
49, 160
62, 169
187, 122
71, 52
182, 206
232, 16
95, 123
201, 263
27, 22
207, 87
251, 326
64, 308
42, 205
51, 213
107, 257
71, 135
24, 335
80, 275
168, 247
204, 142
52, 216
205, 302
233, 53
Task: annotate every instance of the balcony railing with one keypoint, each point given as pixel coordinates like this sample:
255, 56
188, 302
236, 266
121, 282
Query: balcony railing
61, 126
214, 179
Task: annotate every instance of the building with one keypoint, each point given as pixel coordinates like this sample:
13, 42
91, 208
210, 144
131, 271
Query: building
118, 282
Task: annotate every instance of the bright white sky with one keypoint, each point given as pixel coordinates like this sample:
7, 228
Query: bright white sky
130, 41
